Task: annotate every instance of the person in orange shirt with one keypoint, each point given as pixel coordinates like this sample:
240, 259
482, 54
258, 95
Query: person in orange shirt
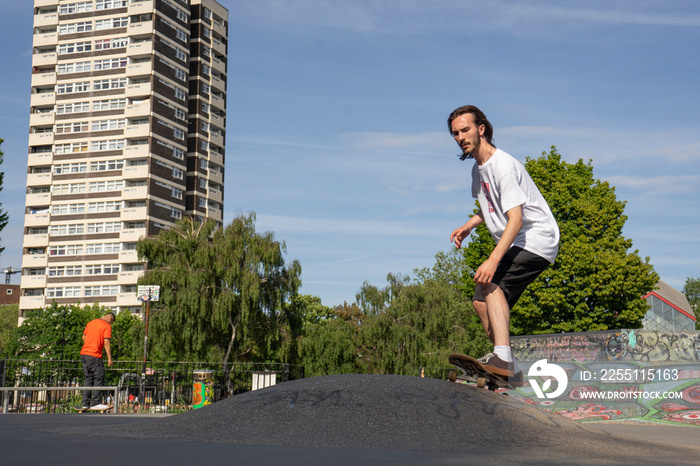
96, 337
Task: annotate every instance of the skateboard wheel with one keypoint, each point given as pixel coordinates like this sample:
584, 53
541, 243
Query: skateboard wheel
452, 376
481, 382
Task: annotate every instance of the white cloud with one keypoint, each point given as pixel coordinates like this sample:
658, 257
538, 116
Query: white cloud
668, 184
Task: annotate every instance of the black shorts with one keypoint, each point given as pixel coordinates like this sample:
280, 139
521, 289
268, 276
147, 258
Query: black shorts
517, 270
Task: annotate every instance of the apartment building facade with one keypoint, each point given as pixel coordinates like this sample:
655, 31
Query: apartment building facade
127, 136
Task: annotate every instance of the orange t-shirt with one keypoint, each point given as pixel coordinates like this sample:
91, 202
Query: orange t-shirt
95, 333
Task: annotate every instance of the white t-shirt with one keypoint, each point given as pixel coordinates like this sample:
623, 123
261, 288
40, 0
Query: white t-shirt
503, 183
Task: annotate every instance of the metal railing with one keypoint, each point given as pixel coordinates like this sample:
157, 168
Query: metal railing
168, 386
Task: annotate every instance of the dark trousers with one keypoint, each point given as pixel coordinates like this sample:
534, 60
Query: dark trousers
94, 371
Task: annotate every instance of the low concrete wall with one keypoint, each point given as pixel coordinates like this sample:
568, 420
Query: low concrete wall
614, 375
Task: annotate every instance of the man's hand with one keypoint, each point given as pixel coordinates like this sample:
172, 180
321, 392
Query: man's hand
484, 274
109, 362
459, 234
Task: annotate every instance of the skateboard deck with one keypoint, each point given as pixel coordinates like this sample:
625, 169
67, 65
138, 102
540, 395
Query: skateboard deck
474, 373
108, 409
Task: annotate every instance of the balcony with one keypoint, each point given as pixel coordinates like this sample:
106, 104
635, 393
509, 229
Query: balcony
216, 120
47, 19
136, 151
129, 256
44, 59
35, 241
33, 281
36, 160
216, 195
130, 235
219, 28
219, 46
40, 139
135, 172
31, 302
44, 79
138, 110
140, 48
128, 299
139, 69
133, 213
134, 193
217, 177
139, 8
35, 260
39, 179
138, 90
129, 278
50, 38
37, 220
38, 198
144, 27
137, 131
43, 99
216, 138
216, 158
42, 119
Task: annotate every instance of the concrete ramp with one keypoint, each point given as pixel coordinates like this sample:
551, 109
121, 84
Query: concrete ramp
390, 412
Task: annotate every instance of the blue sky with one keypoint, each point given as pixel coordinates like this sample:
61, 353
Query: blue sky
336, 133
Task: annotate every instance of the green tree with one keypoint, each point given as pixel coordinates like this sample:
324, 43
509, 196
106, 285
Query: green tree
4, 218
9, 313
55, 332
225, 292
399, 328
596, 282
691, 290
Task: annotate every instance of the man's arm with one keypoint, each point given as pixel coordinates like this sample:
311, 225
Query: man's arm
462, 232
109, 352
485, 272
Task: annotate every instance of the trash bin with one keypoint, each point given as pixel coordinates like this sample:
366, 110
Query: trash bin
202, 388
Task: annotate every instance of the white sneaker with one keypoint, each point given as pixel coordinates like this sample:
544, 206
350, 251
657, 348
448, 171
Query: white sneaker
99, 407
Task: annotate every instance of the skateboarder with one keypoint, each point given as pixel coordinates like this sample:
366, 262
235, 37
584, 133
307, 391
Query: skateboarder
96, 337
521, 223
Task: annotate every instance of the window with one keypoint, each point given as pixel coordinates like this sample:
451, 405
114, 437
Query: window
67, 209
114, 144
105, 165
110, 63
73, 108
75, 27
71, 229
101, 269
179, 54
109, 248
179, 94
70, 250
107, 4
63, 291
70, 148
76, 47
103, 186
72, 188
105, 206
104, 84
101, 290
69, 88
79, 67
111, 104
80, 167
77, 127
78, 7
178, 133
105, 125
104, 227
111, 23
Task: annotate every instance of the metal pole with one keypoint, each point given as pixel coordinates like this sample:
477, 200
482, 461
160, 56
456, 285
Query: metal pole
142, 388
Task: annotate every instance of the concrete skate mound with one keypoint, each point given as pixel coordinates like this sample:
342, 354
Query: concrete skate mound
382, 412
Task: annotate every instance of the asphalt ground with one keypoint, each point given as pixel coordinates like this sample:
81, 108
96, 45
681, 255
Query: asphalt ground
344, 419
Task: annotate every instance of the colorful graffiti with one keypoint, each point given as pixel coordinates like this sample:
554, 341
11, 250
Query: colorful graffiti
614, 345
622, 374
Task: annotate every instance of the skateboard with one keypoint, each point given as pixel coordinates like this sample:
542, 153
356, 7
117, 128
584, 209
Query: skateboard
80, 409
474, 373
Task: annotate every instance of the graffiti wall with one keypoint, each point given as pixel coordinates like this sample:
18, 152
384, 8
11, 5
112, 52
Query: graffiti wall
622, 374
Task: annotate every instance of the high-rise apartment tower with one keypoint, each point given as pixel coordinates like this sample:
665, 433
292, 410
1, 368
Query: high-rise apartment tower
127, 136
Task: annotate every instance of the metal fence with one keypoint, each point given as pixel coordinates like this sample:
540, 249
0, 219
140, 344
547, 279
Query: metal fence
168, 386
